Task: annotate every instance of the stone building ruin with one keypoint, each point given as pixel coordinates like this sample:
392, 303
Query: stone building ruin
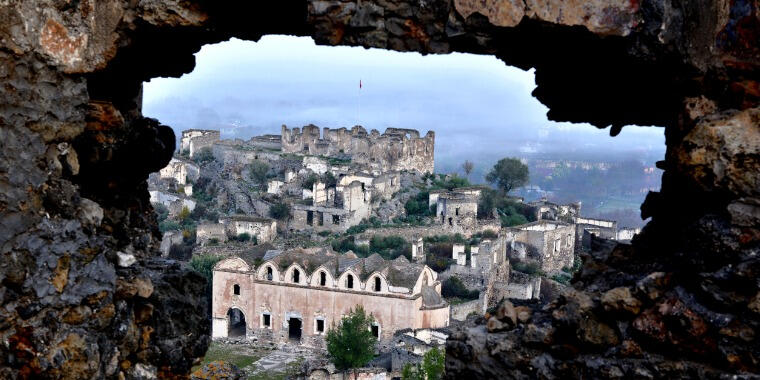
263, 230
182, 171
295, 296
77, 147
545, 210
395, 150
193, 140
550, 244
335, 213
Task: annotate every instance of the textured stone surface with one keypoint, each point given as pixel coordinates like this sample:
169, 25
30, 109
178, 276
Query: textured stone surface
75, 143
218, 370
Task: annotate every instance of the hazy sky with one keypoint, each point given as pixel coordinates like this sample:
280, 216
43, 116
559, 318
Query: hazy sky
479, 107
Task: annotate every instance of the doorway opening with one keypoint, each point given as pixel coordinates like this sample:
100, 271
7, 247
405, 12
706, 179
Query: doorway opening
235, 323
294, 329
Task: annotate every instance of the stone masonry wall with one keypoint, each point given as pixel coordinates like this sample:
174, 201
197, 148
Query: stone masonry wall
394, 150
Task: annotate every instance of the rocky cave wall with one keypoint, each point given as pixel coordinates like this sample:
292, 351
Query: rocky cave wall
84, 294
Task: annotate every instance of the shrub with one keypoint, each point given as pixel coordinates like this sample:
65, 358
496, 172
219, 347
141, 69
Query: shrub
168, 225
438, 264
562, 278
390, 247
257, 170
162, 212
308, 183
344, 245
453, 287
452, 182
329, 180
243, 237
323, 233
526, 267
456, 238
201, 212
279, 211
184, 213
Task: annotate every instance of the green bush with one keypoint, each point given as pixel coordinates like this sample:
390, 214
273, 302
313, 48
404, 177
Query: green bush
436, 263
168, 225
162, 212
450, 183
308, 183
526, 267
419, 205
562, 278
258, 171
329, 180
201, 212
510, 213
243, 237
279, 211
323, 233
455, 238
344, 245
453, 287
390, 247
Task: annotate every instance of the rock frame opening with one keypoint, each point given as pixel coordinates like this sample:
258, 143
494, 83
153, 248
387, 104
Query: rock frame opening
79, 239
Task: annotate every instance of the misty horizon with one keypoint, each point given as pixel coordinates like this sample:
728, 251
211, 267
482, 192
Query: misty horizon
480, 108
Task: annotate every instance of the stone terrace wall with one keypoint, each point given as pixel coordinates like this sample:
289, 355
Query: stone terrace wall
462, 310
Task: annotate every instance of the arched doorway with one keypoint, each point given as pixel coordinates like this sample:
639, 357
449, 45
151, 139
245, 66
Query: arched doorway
235, 323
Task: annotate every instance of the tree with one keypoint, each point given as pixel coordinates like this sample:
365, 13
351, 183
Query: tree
258, 171
412, 372
204, 264
433, 364
508, 174
351, 343
467, 167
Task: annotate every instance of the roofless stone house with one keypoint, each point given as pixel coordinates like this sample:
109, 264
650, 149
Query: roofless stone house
295, 296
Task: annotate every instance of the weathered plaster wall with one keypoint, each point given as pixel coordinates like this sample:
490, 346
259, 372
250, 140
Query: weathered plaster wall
282, 300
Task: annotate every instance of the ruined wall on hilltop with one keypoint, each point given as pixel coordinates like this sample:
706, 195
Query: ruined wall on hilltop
79, 241
396, 149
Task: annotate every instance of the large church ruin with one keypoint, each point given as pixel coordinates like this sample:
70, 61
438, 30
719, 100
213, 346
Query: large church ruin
295, 296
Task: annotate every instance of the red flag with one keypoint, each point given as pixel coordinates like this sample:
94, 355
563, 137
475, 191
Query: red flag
360, 84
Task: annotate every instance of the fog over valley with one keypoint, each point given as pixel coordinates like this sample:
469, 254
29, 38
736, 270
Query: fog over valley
481, 110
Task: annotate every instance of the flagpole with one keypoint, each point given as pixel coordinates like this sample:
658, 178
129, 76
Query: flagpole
358, 102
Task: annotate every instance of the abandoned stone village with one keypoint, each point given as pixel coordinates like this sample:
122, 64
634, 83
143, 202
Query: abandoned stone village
86, 294
307, 225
